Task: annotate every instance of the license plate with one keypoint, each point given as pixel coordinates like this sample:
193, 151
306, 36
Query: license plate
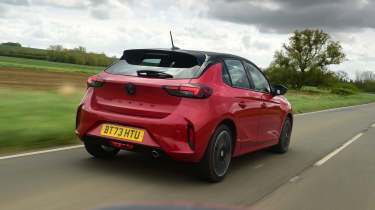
122, 132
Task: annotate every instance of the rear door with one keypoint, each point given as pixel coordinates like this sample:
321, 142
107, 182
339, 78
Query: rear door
271, 114
247, 103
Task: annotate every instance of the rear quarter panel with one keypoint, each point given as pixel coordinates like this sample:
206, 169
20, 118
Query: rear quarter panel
214, 110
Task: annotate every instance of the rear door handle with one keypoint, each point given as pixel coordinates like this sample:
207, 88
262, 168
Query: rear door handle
242, 104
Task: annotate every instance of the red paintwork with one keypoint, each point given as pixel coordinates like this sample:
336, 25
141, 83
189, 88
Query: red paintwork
258, 117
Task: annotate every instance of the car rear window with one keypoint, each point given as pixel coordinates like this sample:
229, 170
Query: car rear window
178, 65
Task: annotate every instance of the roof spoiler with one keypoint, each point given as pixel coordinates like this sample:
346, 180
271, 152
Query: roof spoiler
201, 58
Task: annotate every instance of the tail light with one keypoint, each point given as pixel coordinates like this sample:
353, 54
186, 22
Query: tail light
189, 90
95, 81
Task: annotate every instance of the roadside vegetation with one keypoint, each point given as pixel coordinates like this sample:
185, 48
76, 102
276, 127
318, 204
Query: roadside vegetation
305, 59
36, 119
78, 55
309, 99
33, 64
365, 81
16, 50
57, 53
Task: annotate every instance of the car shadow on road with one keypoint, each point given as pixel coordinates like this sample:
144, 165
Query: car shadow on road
143, 167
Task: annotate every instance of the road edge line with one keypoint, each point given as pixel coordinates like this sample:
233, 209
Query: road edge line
40, 152
336, 151
333, 109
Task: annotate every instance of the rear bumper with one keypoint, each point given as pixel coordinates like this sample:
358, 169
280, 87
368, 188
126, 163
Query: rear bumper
168, 134
121, 144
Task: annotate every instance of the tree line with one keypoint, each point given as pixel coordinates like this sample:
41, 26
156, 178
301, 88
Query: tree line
12, 49
304, 61
78, 55
57, 53
365, 80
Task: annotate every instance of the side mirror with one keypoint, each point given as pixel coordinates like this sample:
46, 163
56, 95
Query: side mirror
279, 90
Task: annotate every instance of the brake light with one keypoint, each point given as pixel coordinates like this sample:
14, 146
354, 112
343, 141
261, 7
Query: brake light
95, 81
189, 90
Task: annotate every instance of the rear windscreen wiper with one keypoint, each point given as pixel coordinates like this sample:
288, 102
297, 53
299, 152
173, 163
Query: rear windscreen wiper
156, 74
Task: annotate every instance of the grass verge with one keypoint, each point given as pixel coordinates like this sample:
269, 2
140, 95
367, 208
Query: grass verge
33, 64
311, 99
36, 119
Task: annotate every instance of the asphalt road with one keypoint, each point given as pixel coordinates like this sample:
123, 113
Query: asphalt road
71, 179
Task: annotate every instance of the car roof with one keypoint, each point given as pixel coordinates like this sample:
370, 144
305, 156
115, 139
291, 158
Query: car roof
208, 53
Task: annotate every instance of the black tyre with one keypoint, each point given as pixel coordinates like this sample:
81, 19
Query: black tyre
99, 150
284, 140
218, 156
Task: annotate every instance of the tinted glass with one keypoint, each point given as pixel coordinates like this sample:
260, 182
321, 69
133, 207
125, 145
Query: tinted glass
260, 82
226, 77
150, 62
237, 74
179, 66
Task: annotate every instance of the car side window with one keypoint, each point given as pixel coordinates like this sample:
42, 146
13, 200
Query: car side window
260, 82
226, 77
237, 73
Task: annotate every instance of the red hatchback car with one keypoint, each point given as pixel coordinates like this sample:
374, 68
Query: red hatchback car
194, 106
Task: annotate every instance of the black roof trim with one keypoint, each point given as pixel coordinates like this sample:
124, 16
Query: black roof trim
200, 55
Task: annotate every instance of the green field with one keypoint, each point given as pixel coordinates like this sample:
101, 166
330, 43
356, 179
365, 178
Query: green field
34, 64
37, 119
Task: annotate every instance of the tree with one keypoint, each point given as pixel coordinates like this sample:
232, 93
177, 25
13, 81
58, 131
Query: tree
367, 76
365, 80
308, 50
80, 49
15, 44
77, 55
343, 76
54, 52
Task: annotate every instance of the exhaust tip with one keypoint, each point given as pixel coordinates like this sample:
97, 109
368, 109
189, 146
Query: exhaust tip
155, 154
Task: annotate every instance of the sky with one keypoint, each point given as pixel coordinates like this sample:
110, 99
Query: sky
253, 29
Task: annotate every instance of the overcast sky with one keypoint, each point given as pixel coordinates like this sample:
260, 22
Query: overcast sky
249, 28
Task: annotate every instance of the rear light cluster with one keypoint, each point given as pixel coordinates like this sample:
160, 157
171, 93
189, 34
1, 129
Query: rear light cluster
95, 81
189, 90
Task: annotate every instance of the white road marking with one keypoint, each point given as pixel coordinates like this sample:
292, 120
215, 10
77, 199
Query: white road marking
373, 125
336, 151
294, 179
258, 166
40, 152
